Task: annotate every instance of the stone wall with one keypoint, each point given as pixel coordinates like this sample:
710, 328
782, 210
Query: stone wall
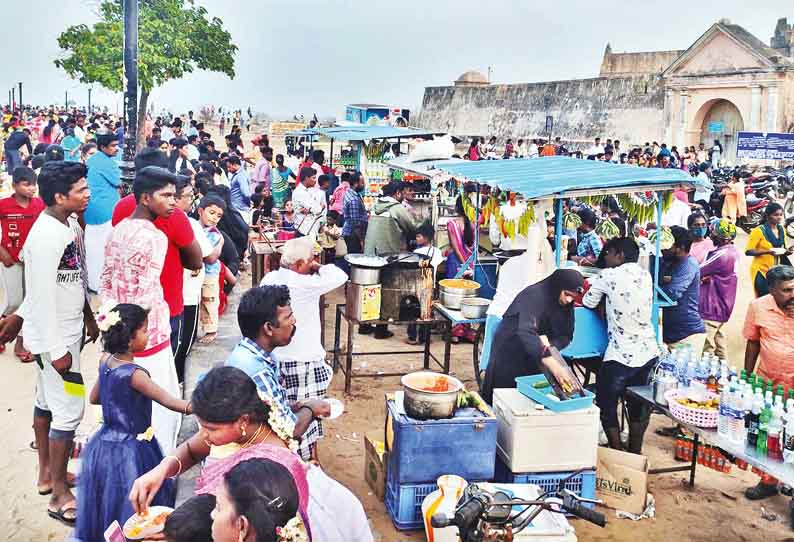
786, 103
630, 64
620, 108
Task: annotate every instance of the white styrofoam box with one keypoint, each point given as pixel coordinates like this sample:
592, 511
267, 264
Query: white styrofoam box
533, 440
547, 527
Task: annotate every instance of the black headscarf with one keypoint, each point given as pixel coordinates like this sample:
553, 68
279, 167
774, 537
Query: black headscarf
536, 311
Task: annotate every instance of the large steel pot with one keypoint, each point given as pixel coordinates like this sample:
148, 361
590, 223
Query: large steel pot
453, 291
422, 404
365, 270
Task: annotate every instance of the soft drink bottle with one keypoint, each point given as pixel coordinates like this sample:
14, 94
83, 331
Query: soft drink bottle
763, 428
752, 419
788, 433
773, 449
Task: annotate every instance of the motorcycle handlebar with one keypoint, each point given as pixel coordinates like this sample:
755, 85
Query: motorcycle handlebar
439, 521
581, 511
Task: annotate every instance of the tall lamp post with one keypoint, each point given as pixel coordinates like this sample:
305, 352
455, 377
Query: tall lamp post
131, 91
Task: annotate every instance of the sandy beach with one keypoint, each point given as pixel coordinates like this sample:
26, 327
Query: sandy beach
715, 508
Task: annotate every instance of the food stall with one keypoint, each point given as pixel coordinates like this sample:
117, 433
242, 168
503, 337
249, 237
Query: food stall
643, 193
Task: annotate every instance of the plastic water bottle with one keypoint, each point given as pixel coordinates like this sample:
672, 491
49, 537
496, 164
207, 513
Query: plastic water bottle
724, 413
788, 433
741, 405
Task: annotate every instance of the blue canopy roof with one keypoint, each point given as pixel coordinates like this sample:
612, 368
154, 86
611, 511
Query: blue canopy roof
561, 176
300, 133
362, 133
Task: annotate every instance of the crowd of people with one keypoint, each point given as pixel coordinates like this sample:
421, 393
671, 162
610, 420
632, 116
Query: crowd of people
651, 154
159, 262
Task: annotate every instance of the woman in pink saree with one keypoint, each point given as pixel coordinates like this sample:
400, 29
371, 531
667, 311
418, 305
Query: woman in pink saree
235, 426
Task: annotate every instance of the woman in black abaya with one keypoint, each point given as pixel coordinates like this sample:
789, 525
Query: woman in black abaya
542, 311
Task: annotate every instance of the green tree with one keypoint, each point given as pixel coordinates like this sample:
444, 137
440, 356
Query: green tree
174, 38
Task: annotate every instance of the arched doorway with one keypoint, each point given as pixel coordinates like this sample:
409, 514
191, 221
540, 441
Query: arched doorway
721, 121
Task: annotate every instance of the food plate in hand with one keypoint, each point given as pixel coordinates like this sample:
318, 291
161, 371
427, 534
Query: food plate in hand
337, 407
139, 527
778, 251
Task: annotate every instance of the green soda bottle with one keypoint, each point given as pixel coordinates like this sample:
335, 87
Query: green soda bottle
763, 429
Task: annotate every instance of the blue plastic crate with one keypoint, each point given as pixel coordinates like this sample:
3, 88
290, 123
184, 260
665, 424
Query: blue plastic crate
423, 450
583, 484
524, 385
404, 504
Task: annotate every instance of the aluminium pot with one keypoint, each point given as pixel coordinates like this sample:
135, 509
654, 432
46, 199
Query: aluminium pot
365, 270
422, 404
451, 296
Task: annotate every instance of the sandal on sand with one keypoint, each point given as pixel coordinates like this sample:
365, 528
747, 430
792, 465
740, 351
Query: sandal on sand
208, 338
24, 356
71, 482
63, 513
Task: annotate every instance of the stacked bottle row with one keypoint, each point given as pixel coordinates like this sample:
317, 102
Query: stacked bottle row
752, 411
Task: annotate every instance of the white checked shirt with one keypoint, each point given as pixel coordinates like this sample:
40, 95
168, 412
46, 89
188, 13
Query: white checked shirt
629, 292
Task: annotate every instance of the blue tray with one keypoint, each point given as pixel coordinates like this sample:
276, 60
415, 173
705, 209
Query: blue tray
524, 385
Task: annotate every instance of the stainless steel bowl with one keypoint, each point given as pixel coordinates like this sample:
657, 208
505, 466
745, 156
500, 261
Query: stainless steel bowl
473, 308
422, 404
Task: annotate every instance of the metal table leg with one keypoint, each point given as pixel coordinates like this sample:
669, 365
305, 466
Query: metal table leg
447, 346
693, 466
349, 359
426, 329
337, 334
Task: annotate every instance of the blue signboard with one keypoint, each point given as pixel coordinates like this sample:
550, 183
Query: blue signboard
716, 127
765, 146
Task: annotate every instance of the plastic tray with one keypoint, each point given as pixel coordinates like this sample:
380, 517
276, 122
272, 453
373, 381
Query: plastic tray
524, 385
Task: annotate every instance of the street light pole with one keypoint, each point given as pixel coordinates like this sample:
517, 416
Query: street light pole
13, 98
131, 93
20, 95
89, 100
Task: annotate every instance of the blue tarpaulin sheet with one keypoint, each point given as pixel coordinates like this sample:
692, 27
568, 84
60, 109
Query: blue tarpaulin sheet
365, 133
561, 176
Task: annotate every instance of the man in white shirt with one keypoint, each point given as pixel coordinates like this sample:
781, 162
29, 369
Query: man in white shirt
309, 203
306, 374
596, 149
704, 191
53, 318
533, 151
632, 351
79, 129
677, 214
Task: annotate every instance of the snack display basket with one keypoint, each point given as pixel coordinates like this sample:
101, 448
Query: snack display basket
698, 417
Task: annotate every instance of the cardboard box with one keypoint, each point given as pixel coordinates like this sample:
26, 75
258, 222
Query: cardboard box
375, 457
363, 302
622, 480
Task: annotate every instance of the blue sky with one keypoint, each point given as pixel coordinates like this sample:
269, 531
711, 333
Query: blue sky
310, 56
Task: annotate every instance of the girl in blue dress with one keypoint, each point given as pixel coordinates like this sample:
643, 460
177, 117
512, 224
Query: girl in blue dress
124, 448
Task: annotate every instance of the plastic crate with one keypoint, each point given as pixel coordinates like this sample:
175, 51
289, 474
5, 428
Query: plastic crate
524, 385
422, 450
404, 504
583, 484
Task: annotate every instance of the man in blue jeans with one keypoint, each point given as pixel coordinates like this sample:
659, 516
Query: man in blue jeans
632, 351
17, 140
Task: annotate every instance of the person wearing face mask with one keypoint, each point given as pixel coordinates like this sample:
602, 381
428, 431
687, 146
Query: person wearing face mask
539, 317
701, 242
769, 330
681, 282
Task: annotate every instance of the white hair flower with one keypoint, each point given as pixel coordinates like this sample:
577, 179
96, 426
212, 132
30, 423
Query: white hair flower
106, 317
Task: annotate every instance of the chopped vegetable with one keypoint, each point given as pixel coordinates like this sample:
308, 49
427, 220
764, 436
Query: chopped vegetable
540, 384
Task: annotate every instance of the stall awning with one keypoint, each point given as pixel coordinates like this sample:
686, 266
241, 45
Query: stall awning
302, 133
562, 176
427, 168
365, 133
